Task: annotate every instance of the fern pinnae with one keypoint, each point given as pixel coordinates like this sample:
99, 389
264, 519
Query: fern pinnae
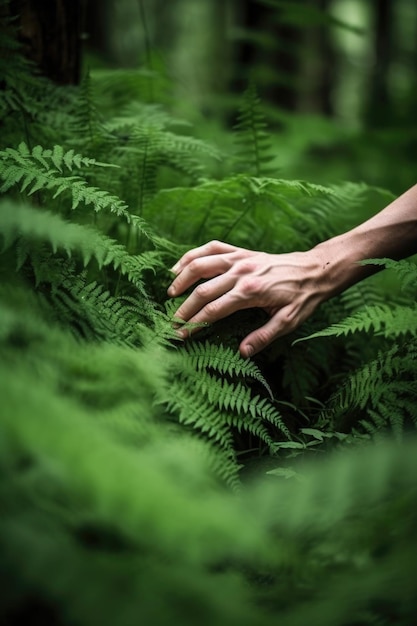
386, 381
193, 413
21, 166
224, 360
238, 398
85, 121
381, 319
105, 316
405, 269
20, 220
254, 145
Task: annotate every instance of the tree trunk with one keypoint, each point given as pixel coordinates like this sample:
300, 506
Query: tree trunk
50, 31
327, 59
379, 104
269, 54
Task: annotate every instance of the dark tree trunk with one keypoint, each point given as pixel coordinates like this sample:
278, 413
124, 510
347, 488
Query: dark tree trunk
96, 20
248, 17
50, 31
270, 54
379, 104
328, 61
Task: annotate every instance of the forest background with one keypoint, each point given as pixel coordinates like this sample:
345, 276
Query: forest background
346, 68
144, 478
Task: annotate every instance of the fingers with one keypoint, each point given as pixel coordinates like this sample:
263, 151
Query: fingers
198, 268
202, 295
216, 310
208, 249
280, 324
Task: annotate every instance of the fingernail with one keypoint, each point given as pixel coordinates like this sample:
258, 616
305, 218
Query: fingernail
249, 351
171, 291
175, 268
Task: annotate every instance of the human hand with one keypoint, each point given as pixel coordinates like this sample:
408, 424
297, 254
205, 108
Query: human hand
287, 286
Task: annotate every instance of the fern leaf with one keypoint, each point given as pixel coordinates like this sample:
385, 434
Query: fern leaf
254, 153
383, 385
407, 270
19, 164
19, 220
379, 319
224, 360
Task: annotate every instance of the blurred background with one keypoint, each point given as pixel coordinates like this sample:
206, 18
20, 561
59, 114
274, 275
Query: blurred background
337, 78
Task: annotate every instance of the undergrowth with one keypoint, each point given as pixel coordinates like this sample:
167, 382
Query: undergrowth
147, 478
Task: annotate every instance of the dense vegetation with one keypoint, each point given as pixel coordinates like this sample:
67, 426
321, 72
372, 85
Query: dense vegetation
148, 479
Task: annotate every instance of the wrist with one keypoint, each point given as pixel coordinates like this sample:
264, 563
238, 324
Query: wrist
340, 263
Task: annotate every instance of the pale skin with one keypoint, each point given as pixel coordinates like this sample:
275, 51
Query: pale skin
289, 287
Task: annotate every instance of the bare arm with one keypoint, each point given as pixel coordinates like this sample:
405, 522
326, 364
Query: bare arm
289, 286
391, 233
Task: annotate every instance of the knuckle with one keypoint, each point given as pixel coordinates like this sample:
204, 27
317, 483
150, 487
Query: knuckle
194, 267
211, 309
202, 291
249, 287
214, 244
245, 266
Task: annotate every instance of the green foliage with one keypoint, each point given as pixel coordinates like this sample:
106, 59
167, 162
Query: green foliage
212, 392
385, 387
147, 479
253, 143
39, 169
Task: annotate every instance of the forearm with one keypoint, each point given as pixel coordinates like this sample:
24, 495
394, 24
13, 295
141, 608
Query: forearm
391, 233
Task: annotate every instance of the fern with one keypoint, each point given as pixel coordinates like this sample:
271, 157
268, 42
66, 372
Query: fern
339, 517
19, 220
381, 388
254, 145
224, 360
98, 314
217, 407
85, 122
238, 398
406, 270
34, 171
379, 319
145, 143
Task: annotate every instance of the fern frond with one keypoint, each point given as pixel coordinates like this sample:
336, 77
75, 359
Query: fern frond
391, 412
263, 213
254, 145
41, 168
223, 360
388, 321
145, 142
237, 397
368, 382
19, 220
383, 386
85, 122
215, 424
93, 313
406, 270
201, 416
